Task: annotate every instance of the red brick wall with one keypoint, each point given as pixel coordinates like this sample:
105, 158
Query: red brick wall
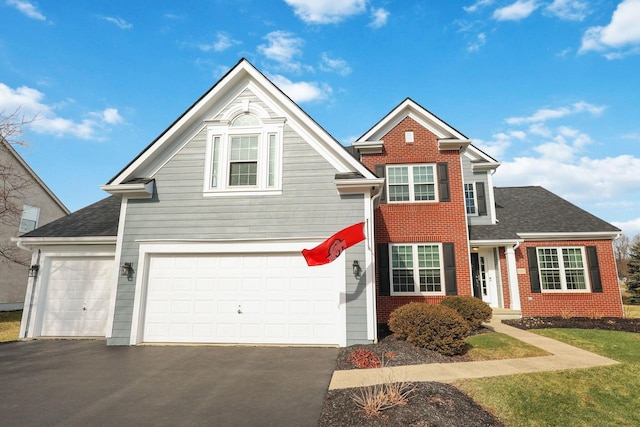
423, 221
504, 276
575, 304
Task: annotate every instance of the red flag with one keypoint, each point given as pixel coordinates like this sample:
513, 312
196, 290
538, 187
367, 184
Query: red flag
331, 248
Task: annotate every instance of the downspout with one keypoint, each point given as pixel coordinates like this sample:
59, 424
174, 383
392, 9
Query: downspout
33, 279
374, 307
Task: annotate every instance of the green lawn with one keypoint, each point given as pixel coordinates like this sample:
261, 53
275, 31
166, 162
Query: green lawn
9, 325
607, 396
499, 346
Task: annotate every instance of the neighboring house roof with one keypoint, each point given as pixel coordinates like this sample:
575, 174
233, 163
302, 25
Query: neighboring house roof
35, 176
98, 219
525, 211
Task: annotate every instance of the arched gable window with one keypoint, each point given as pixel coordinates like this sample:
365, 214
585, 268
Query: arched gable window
244, 154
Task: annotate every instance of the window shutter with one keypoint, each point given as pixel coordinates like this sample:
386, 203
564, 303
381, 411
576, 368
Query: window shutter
451, 288
594, 269
383, 269
380, 172
482, 199
443, 182
534, 277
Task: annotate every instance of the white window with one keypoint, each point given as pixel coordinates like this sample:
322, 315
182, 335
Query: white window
411, 183
29, 219
416, 269
244, 156
562, 270
470, 198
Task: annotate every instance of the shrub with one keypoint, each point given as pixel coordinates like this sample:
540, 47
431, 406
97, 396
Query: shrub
364, 359
473, 310
377, 398
434, 327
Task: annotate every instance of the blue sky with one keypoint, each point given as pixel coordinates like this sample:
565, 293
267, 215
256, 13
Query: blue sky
549, 88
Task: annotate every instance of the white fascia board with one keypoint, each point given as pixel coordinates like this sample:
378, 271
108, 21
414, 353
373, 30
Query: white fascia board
453, 144
593, 235
34, 242
494, 243
484, 167
369, 147
139, 190
417, 113
360, 185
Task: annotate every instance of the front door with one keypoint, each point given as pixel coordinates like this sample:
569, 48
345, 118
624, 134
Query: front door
485, 285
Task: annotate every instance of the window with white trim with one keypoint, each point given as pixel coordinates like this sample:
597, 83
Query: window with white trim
411, 183
416, 269
29, 219
562, 269
470, 198
244, 155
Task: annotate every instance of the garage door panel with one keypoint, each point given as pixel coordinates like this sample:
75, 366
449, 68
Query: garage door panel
76, 297
273, 292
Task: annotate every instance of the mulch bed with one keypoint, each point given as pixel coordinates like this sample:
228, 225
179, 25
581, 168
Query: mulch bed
606, 323
432, 403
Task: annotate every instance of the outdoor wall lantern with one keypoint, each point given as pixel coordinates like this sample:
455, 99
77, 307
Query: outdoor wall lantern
127, 270
356, 268
33, 270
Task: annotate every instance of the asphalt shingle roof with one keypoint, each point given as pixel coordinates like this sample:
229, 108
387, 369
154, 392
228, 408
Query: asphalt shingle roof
536, 210
98, 219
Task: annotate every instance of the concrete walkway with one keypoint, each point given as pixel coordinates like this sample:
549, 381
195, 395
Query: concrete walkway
561, 356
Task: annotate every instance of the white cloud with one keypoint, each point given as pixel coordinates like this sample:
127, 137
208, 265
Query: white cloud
570, 10
111, 116
30, 102
379, 17
544, 114
499, 143
222, 42
326, 11
337, 65
27, 9
282, 47
477, 6
301, 91
622, 32
119, 22
477, 43
630, 228
580, 179
517, 11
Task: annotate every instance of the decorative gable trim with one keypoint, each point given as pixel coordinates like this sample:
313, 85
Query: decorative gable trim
242, 76
369, 147
142, 189
448, 137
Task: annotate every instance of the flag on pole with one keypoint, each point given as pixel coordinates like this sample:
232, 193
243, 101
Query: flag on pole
331, 248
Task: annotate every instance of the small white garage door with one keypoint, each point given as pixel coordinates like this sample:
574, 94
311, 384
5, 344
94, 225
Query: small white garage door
259, 298
77, 297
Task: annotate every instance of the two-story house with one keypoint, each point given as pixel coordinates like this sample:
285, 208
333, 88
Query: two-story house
25, 204
443, 229
202, 238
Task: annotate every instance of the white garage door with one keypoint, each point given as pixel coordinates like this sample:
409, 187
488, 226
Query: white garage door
77, 297
261, 298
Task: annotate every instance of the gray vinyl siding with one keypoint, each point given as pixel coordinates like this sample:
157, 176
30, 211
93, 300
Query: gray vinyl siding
309, 207
468, 177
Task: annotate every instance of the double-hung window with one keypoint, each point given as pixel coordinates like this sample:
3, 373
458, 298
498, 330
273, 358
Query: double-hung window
416, 269
244, 156
562, 269
29, 219
470, 199
411, 183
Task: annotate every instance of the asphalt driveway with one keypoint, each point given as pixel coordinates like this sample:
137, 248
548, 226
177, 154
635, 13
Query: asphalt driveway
79, 382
